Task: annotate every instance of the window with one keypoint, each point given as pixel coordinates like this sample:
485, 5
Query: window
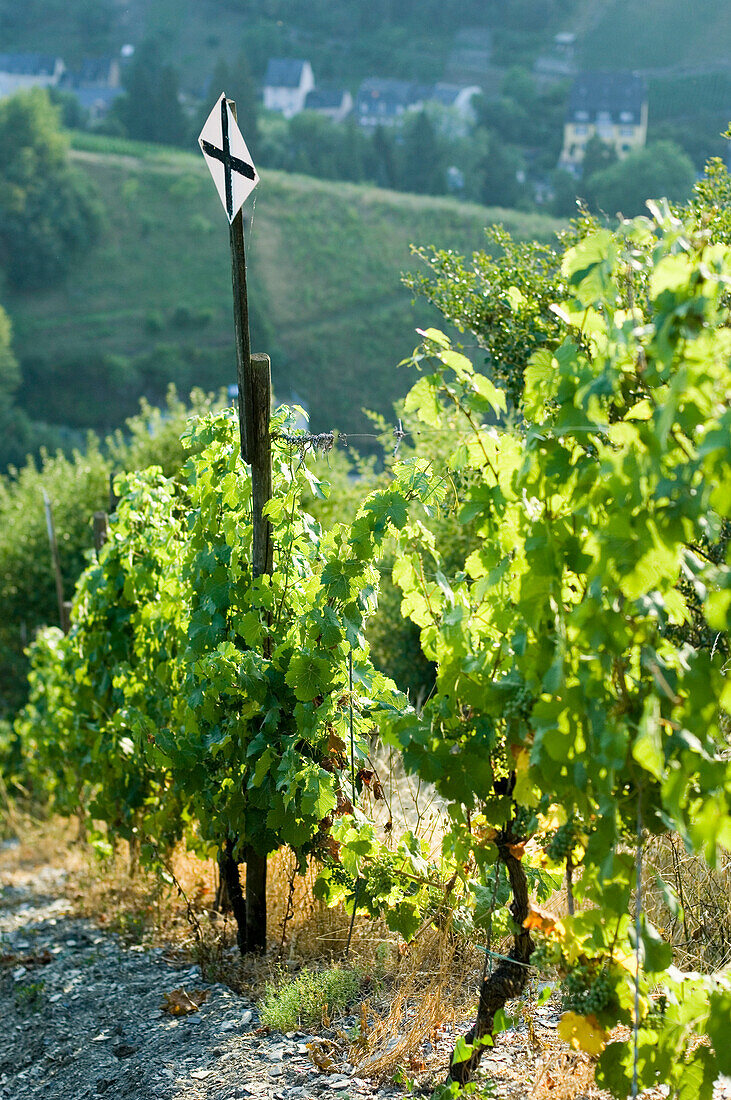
627, 131
581, 130
626, 116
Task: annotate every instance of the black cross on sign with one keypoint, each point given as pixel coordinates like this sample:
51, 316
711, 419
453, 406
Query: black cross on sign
228, 160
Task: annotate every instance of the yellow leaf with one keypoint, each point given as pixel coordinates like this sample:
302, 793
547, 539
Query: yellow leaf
626, 959
582, 1033
555, 817
524, 793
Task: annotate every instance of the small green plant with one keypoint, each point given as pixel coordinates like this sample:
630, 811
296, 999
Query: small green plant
29, 997
478, 1090
130, 926
401, 1077
313, 997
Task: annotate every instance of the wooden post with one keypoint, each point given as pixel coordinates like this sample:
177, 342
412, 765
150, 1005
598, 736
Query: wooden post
254, 386
241, 329
261, 463
262, 563
113, 498
66, 616
101, 530
62, 610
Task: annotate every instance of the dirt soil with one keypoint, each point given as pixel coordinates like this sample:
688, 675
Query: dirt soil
85, 1013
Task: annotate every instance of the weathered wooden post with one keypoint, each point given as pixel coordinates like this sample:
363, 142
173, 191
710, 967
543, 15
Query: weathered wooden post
235, 177
101, 530
64, 607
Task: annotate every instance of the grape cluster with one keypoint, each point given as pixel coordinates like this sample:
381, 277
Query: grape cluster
340, 875
585, 993
545, 955
381, 878
519, 705
523, 822
562, 842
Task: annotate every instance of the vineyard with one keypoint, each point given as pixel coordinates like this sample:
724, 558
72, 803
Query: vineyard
556, 525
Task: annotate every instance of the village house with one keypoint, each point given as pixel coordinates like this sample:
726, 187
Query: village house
334, 103
382, 101
96, 84
458, 103
287, 83
611, 106
28, 70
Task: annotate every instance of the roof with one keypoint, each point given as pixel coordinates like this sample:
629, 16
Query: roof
448, 94
394, 93
93, 72
284, 72
619, 95
325, 99
28, 64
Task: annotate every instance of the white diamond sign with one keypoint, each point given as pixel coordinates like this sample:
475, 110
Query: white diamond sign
228, 159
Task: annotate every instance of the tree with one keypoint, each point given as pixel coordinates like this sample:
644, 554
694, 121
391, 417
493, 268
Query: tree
661, 169
151, 110
9, 374
383, 154
78, 485
49, 213
598, 155
499, 174
421, 161
503, 296
237, 82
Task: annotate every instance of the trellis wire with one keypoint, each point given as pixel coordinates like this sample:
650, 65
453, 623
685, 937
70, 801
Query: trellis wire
352, 780
638, 931
322, 442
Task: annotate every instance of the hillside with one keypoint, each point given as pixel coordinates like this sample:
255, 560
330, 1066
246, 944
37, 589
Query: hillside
152, 303
657, 34
345, 41
350, 40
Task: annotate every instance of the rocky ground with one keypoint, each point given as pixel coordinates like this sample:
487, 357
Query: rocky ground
84, 1015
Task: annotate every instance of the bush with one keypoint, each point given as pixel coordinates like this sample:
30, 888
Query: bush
77, 485
308, 999
49, 213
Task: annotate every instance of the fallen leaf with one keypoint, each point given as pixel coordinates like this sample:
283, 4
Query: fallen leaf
541, 919
321, 1055
182, 1003
582, 1033
41, 959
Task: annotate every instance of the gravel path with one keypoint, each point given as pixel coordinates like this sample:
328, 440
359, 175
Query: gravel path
81, 1016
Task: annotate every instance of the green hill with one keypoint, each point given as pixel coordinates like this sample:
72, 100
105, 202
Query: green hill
152, 303
624, 34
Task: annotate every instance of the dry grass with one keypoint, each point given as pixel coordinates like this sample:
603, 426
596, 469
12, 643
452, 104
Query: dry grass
701, 932
434, 985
